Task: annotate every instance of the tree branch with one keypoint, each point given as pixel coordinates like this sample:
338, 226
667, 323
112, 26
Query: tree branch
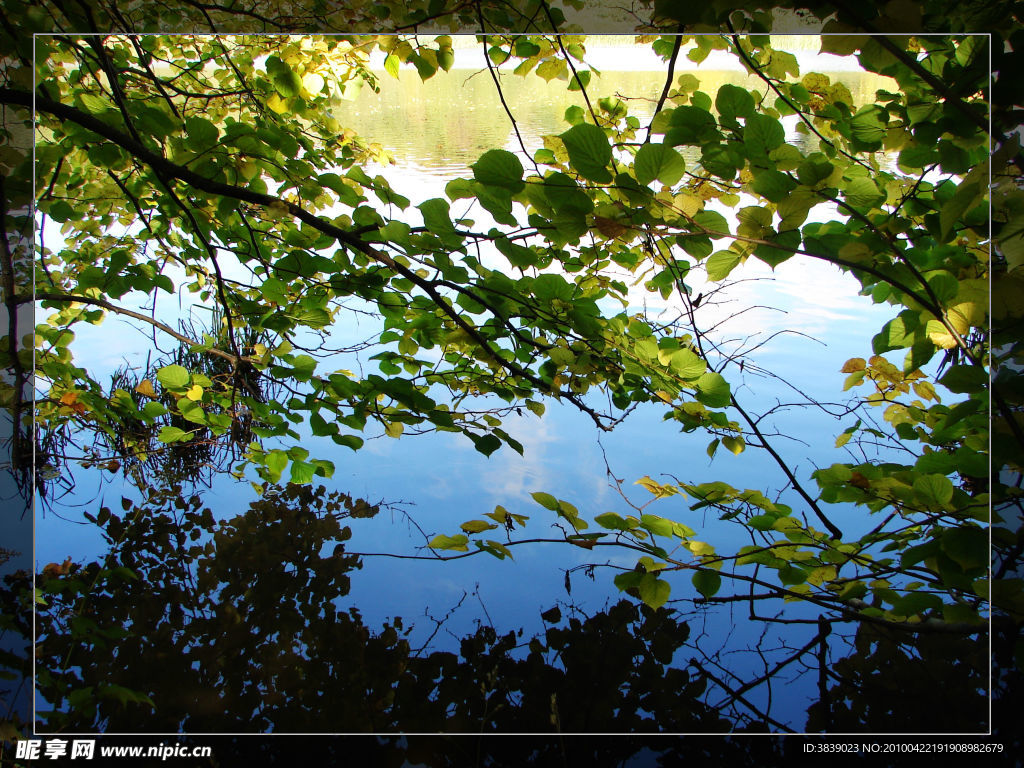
676, 45
71, 297
164, 167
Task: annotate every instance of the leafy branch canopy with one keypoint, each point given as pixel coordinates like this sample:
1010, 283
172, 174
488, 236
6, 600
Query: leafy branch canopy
214, 167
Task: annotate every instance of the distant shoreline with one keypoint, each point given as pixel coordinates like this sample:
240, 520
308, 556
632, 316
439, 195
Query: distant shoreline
607, 57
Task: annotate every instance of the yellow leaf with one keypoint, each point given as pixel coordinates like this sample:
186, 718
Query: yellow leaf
687, 204
814, 81
839, 92
896, 138
799, 589
734, 444
926, 390
884, 367
195, 393
312, 83
971, 306
145, 387
853, 365
700, 547
394, 429
820, 575
276, 210
938, 335
657, 488
276, 103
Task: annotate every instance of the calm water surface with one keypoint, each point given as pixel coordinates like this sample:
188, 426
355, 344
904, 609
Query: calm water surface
435, 130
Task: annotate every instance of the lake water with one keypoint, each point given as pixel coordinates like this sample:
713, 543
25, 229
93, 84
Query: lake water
435, 130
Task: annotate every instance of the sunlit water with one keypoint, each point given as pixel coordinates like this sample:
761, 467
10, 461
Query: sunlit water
439, 481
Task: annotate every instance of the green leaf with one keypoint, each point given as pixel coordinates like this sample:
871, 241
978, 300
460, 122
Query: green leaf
965, 197
324, 468
486, 444
437, 219
918, 156
914, 555
95, 104
589, 152
457, 543
772, 185
763, 134
424, 66
896, 334
546, 500
659, 526
549, 69
446, 58
345, 193
499, 168
721, 160
276, 461
712, 221
790, 575
628, 579
496, 548
862, 192
477, 526
707, 582
868, 126
201, 133
944, 285
733, 444
303, 366
550, 286
814, 169
497, 54
968, 546
153, 410
721, 263
914, 603
965, 379
788, 239
692, 125
658, 161
733, 101
612, 521
687, 365
173, 377
349, 441
287, 83
525, 48
313, 317
564, 194
713, 390
302, 472
173, 435
122, 695
936, 490
654, 591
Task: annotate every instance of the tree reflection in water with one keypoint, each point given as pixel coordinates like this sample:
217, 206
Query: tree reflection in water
195, 625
